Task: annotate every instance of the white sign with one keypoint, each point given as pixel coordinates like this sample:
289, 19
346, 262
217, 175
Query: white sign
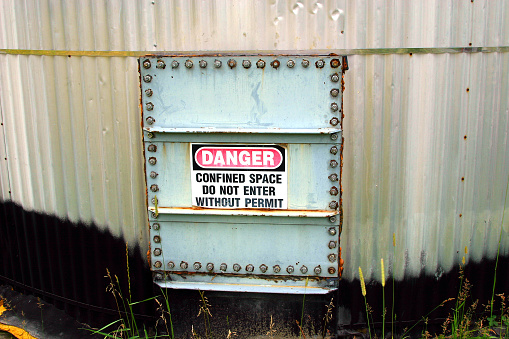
239, 176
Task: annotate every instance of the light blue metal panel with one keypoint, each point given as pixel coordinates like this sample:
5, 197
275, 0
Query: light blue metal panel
240, 92
289, 250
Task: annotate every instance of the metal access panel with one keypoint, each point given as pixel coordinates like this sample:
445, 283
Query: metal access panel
242, 158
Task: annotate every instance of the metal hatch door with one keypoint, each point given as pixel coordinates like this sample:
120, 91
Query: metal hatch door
242, 158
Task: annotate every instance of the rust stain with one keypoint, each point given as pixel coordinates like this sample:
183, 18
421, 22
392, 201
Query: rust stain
273, 278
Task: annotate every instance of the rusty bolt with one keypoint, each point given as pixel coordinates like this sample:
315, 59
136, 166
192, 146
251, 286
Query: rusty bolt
160, 64
334, 107
331, 257
320, 63
153, 174
332, 244
149, 92
334, 136
158, 264
290, 269
334, 191
334, 92
334, 150
246, 63
150, 120
147, 78
232, 63
236, 267
332, 219
332, 270
149, 106
174, 64
223, 267
334, 77
183, 265
157, 239
203, 63
158, 276
146, 64
305, 63
189, 63
263, 268
275, 64
154, 215
157, 252
197, 266
276, 269
333, 163
318, 270
150, 135
290, 64
152, 148
333, 205
250, 268
333, 177
153, 200
152, 160
334, 63
154, 188
304, 270
217, 63
171, 265
156, 226
260, 64
334, 121
210, 266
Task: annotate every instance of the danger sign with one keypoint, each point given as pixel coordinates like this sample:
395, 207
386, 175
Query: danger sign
239, 176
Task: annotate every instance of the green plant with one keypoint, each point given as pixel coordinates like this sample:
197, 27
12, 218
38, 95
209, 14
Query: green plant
205, 310
363, 289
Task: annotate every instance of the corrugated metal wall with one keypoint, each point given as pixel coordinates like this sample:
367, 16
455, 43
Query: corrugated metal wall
415, 124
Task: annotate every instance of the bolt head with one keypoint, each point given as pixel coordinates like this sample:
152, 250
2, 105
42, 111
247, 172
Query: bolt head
154, 215
146, 64
318, 270
246, 63
250, 268
150, 120
153, 174
174, 64
334, 150
333, 219
149, 106
334, 121
236, 267
334, 63
290, 64
276, 269
158, 264
152, 160
223, 267
320, 63
148, 92
171, 265
333, 163
303, 270
332, 270
210, 266
217, 63
203, 63
263, 268
334, 107
334, 92
333, 177
332, 244
305, 63
334, 136
184, 265
275, 63
333, 205
334, 77
157, 239
197, 266
334, 191
332, 257
232, 63
156, 226
147, 78
290, 269
154, 188
152, 148
157, 252
160, 64
260, 63
188, 63
150, 135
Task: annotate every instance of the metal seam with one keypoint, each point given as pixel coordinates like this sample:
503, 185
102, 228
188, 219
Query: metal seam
359, 51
